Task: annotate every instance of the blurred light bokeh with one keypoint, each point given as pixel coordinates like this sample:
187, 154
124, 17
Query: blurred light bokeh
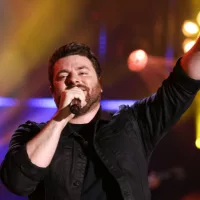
30, 31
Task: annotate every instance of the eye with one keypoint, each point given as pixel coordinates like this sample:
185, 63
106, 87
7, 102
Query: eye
83, 73
62, 77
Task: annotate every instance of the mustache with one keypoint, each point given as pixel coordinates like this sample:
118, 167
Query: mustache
83, 87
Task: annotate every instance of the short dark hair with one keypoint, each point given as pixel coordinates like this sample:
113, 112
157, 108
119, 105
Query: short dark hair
73, 48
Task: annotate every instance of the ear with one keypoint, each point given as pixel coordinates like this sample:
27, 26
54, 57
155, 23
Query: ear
101, 83
51, 90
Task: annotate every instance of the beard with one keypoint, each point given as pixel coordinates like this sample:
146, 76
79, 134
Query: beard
92, 98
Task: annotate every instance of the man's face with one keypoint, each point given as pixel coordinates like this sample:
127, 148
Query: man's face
76, 70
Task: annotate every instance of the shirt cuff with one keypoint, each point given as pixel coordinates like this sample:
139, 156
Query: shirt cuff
27, 167
179, 75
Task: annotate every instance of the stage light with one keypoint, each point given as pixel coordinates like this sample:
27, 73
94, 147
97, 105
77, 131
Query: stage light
197, 143
198, 18
137, 60
190, 28
188, 44
8, 102
102, 43
48, 103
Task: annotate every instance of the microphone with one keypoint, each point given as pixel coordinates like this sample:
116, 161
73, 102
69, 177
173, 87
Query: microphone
75, 106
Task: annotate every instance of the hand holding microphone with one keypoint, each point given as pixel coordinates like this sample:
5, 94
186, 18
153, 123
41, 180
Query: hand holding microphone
72, 99
78, 101
69, 103
75, 106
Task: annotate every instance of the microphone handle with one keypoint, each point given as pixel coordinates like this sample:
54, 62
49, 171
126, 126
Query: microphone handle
75, 106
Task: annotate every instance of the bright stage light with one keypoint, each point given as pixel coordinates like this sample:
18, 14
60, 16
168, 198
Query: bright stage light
197, 143
188, 44
8, 102
137, 60
48, 103
198, 18
190, 28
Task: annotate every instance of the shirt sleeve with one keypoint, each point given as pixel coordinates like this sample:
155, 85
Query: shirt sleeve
17, 172
156, 114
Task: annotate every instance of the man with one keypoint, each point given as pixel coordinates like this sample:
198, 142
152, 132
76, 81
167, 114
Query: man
81, 156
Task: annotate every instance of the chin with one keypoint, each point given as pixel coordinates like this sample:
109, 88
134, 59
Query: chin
86, 109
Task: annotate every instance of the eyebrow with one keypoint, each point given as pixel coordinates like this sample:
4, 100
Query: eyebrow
83, 67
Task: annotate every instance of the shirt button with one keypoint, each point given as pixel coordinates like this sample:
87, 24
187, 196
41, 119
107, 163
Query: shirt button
81, 155
85, 143
126, 193
76, 183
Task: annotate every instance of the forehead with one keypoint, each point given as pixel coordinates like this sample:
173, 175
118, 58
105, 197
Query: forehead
72, 62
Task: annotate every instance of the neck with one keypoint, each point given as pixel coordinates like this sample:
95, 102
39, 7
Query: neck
87, 117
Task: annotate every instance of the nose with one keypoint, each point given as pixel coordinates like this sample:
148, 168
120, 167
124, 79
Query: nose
72, 79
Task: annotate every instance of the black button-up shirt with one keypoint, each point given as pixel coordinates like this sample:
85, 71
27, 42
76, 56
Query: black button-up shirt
123, 144
98, 182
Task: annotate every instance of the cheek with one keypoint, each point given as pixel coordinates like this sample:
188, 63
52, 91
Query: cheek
91, 83
59, 87
95, 88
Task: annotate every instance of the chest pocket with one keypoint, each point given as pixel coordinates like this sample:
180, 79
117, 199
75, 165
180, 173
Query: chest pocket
120, 124
119, 139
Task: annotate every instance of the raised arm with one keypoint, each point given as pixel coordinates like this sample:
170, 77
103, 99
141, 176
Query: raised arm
156, 114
